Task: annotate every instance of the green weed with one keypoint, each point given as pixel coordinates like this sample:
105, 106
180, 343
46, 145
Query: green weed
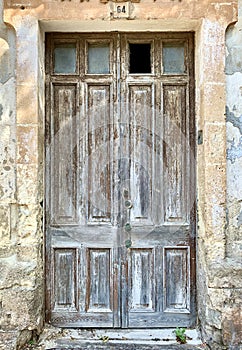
180, 335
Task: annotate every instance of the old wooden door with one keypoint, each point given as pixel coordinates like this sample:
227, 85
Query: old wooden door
120, 182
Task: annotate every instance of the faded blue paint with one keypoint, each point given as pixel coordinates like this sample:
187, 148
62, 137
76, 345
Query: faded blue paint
235, 121
235, 151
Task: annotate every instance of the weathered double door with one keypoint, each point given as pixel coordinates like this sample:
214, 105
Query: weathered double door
120, 193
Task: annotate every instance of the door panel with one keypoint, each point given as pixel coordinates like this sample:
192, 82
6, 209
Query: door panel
63, 175
175, 153
141, 280
65, 279
120, 206
99, 176
176, 279
99, 268
141, 104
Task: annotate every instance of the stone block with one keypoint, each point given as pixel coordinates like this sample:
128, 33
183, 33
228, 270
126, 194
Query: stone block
14, 272
232, 326
214, 56
8, 339
8, 183
5, 223
30, 253
234, 248
214, 143
224, 10
27, 103
213, 102
22, 308
27, 70
214, 246
27, 25
29, 220
7, 144
27, 179
8, 103
214, 207
213, 32
215, 184
27, 145
225, 274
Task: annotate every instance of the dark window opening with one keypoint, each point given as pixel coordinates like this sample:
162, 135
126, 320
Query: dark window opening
139, 58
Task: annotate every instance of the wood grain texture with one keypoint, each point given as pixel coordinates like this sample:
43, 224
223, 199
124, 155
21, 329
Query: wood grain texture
120, 150
176, 279
99, 182
64, 155
65, 277
174, 153
99, 280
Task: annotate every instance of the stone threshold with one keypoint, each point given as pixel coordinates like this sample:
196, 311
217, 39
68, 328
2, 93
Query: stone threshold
121, 339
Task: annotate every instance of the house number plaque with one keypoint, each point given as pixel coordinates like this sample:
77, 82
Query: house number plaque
120, 9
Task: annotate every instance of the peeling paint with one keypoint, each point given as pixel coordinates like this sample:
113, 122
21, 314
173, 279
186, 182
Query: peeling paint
235, 151
235, 121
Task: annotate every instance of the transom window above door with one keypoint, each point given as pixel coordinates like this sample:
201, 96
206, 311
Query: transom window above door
96, 57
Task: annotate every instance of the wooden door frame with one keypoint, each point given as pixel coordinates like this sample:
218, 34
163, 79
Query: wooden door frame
192, 107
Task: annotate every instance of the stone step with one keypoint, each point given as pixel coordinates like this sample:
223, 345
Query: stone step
130, 346
76, 339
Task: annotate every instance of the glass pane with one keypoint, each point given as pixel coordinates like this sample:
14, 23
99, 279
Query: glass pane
65, 58
173, 58
98, 59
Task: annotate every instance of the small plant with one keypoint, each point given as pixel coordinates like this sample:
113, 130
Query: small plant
31, 342
180, 335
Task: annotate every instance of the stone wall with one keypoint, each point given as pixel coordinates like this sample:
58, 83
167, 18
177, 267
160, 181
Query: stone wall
21, 232
219, 272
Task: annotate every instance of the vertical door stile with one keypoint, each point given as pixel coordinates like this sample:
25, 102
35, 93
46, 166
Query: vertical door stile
114, 138
82, 137
123, 175
157, 202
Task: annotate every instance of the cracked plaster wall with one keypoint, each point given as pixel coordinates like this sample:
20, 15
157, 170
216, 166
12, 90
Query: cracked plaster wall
219, 278
234, 137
